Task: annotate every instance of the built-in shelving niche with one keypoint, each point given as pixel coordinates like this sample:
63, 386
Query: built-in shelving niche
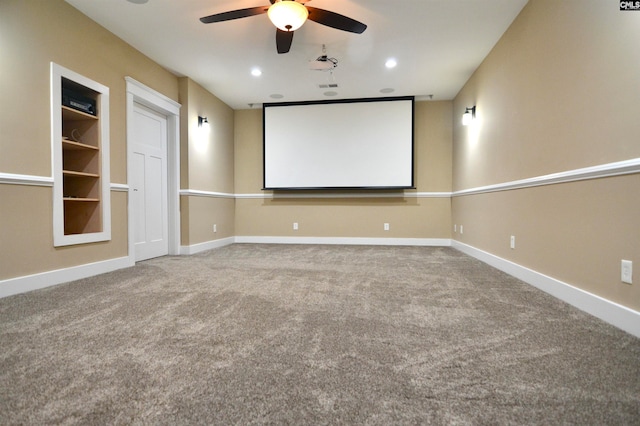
80, 152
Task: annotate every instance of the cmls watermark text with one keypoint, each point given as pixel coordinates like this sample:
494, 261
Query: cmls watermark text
629, 5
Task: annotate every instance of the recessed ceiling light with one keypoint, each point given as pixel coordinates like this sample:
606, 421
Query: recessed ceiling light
387, 90
276, 96
330, 93
391, 63
138, 1
256, 72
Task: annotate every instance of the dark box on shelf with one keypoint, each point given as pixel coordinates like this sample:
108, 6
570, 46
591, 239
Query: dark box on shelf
75, 100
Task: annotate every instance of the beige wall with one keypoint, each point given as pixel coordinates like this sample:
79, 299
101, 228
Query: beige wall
354, 218
558, 92
409, 217
26, 233
207, 165
31, 37
33, 34
208, 162
198, 214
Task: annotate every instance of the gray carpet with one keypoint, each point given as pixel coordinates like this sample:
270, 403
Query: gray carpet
291, 334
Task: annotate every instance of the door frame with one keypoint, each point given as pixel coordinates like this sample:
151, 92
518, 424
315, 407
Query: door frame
144, 95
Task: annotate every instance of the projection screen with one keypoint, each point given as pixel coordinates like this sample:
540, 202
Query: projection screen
348, 144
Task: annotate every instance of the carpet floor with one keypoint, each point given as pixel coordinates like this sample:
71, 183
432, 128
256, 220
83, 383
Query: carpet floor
297, 334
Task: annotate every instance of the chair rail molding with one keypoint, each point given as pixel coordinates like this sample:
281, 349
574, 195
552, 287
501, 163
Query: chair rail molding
32, 180
618, 168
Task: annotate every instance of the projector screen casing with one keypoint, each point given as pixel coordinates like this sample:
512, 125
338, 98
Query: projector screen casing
343, 144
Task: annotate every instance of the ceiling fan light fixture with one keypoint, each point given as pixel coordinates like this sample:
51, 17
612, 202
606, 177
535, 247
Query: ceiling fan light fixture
288, 15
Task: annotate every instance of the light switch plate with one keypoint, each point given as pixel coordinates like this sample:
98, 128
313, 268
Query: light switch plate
626, 271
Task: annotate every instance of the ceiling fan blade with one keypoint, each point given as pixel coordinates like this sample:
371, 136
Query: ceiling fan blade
283, 40
335, 20
234, 14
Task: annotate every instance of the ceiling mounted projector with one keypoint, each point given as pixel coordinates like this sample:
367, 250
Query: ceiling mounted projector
323, 62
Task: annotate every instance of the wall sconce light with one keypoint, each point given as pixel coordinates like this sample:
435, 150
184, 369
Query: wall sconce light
203, 122
201, 139
469, 115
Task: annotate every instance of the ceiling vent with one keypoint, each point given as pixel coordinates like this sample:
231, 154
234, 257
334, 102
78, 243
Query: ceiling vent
328, 86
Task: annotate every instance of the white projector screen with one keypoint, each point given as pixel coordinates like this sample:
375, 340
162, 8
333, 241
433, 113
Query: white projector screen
349, 144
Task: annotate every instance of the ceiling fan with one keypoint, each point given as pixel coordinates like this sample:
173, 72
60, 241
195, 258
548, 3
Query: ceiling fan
288, 16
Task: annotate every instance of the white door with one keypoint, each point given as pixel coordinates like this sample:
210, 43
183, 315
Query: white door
149, 182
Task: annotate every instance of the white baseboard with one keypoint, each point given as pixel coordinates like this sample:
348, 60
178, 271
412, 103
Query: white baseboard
608, 311
347, 241
209, 245
26, 283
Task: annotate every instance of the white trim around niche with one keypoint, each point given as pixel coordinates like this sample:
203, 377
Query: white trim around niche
608, 311
60, 238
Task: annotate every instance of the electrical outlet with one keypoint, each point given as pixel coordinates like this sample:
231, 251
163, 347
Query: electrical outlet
461, 229
215, 228
626, 271
513, 241
295, 226
386, 226
455, 228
